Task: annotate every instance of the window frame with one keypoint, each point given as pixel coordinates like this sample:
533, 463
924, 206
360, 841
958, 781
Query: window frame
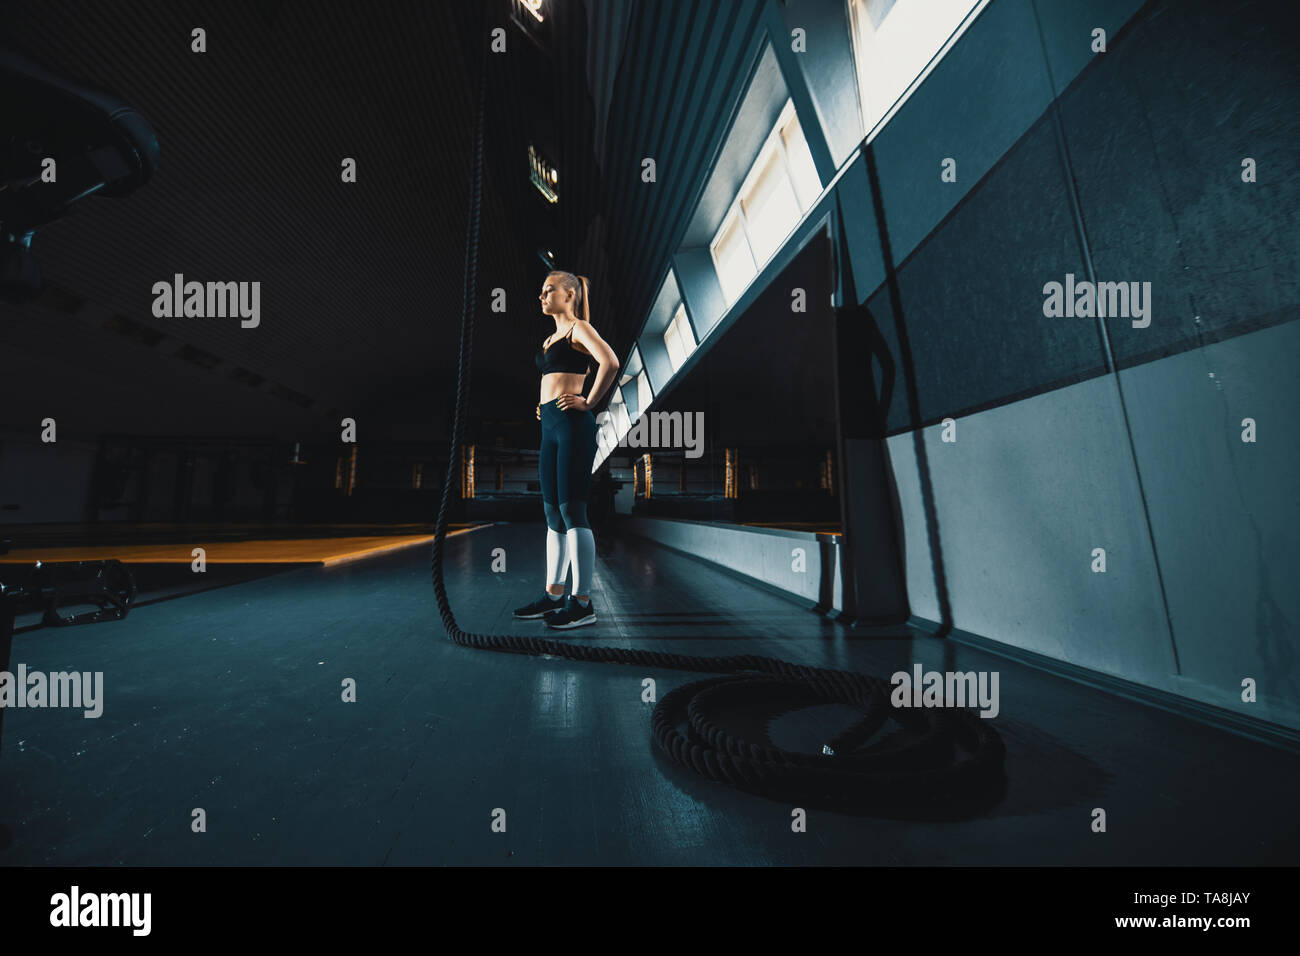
856, 14
774, 143
678, 331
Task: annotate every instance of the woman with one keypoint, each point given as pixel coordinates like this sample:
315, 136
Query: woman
568, 447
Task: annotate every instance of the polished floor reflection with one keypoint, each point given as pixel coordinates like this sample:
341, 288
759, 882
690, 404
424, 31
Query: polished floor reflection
230, 700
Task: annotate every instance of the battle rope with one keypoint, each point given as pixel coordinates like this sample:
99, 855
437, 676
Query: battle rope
910, 769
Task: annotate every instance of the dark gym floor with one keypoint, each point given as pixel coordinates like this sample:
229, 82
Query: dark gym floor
229, 699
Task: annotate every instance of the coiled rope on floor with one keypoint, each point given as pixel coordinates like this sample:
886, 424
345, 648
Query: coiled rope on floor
919, 765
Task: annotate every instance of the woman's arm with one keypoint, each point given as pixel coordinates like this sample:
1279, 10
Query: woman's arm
604, 356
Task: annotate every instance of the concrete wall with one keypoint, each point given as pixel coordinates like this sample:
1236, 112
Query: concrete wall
1082, 433
1224, 513
766, 555
1028, 489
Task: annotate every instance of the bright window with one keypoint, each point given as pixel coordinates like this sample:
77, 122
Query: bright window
733, 260
606, 440
802, 169
897, 43
679, 338
632, 367
644, 396
771, 207
781, 187
618, 417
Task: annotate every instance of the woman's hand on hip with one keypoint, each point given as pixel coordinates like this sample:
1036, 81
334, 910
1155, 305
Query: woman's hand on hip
569, 402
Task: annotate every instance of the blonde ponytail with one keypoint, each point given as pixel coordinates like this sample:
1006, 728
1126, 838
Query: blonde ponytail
586, 301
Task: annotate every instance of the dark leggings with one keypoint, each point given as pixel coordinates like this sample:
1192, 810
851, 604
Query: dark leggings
564, 465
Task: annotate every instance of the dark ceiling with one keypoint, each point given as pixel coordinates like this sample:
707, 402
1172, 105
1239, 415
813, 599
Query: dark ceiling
361, 283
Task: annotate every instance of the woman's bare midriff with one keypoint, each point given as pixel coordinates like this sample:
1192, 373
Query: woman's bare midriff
555, 384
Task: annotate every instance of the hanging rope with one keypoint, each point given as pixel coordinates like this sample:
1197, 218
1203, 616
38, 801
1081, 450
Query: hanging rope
938, 759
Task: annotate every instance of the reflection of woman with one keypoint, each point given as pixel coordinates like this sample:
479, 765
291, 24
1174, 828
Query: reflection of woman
568, 447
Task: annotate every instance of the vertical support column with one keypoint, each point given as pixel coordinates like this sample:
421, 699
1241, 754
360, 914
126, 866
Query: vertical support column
873, 583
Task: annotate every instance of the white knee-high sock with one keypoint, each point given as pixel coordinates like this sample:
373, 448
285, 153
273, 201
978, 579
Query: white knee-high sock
582, 547
557, 557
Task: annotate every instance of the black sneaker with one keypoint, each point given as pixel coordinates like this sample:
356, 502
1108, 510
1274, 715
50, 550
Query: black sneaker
542, 605
572, 614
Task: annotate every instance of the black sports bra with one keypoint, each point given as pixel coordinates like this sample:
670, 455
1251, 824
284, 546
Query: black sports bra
561, 356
